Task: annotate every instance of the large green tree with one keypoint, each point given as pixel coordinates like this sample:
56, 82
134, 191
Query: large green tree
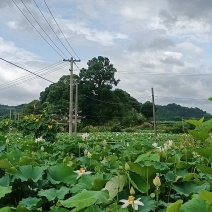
99, 74
95, 89
58, 95
98, 101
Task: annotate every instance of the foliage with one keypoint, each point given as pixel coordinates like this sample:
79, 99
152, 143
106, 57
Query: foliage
147, 109
202, 129
97, 100
40, 126
33, 107
35, 179
4, 125
174, 112
58, 94
5, 110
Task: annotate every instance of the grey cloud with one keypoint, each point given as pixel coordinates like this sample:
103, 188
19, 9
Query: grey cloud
147, 65
161, 43
10, 3
167, 18
172, 61
195, 9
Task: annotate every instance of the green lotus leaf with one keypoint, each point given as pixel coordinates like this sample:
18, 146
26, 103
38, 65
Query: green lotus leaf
31, 202
187, 188
56, 209
52, 193
6, 209
175, 207
29, 172
5, 164
5, 190
94, 208
5, 180
138, 182
85, 199
21, 208
149, 204
85, 182
61, 173
195, 204
147, 157
204, 169
206, 195
115, 185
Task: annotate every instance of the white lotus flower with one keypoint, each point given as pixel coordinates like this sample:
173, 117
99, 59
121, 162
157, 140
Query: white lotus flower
81, 172
85, 136
39, 139
131, 201
155, 144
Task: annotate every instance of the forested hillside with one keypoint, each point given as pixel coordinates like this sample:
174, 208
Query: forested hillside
174, 112
6, 110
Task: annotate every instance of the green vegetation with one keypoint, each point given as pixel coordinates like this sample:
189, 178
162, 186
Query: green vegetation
106, 171
174, 112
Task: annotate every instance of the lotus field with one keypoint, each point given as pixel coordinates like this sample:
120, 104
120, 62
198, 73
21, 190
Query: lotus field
106, 171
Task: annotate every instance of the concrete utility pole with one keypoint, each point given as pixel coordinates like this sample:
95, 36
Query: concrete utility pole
71, 94
10, 114
76, 110
154, 119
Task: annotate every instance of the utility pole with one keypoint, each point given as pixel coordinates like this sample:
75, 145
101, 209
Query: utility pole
71, 93
10, 114
154, 119
76, 110
14, 113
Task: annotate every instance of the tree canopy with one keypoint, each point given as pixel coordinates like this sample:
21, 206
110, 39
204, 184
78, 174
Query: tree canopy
98, 101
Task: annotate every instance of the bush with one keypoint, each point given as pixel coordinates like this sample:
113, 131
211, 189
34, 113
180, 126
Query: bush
42, 125
178, 128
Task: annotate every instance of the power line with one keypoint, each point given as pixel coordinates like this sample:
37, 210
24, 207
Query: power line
51, 27
37, 30
61, 30
26, 70
27, 79
42, 28
29, 75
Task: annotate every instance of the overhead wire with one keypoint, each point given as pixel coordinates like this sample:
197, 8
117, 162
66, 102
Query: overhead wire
28, 79
26, 70
42, 28
41, 71
61, 29
52, 28
37, 30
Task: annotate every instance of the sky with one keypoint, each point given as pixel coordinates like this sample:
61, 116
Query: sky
165, 45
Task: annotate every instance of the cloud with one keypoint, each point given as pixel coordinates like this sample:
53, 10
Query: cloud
99, 36
151, 45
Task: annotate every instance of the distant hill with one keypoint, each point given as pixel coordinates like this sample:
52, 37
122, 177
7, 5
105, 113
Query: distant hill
174, 112
170, 112
5, 110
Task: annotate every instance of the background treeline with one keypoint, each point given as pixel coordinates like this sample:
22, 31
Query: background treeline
99, 102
